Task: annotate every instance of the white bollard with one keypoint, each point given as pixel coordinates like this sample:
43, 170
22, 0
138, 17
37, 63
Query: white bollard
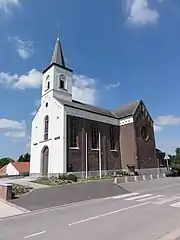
157, 175
151, 177
164, 175
126, 179
115, 180
135, 178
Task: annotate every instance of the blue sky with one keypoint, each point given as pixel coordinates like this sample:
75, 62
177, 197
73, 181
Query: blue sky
120, 50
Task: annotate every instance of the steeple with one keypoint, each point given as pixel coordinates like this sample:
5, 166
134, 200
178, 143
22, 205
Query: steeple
58, 54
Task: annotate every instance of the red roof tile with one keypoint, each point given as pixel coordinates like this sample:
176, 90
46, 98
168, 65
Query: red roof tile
22, 167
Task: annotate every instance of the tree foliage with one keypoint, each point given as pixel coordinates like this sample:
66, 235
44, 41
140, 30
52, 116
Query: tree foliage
24, 158
5, 161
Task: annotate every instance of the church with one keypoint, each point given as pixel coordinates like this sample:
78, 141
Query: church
71, 136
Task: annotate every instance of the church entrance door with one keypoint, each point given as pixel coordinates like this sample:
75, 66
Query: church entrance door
45, 161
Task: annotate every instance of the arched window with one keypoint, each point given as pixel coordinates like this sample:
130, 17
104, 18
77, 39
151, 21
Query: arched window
62, 79
47, 82
46, 127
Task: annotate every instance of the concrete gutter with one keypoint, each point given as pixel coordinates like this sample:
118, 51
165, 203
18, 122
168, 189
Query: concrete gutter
173, 235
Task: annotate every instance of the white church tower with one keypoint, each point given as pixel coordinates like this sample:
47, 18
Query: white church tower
48, 134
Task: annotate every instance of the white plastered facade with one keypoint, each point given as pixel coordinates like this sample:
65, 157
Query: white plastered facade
52, 108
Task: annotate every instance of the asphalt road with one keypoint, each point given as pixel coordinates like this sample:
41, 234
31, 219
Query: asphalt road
149, 212
66, 194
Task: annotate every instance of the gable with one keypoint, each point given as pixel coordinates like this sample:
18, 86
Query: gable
142, 110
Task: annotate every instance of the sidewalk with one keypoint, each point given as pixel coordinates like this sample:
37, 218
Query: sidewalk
24, 181
8, 209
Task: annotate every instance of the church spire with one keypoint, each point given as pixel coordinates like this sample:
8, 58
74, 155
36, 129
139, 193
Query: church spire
58, 54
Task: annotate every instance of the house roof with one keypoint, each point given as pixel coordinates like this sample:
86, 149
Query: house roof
126, 110
22, 167
120, 112
159, 151
87, 107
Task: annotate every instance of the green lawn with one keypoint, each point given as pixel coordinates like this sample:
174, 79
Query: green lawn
45, 182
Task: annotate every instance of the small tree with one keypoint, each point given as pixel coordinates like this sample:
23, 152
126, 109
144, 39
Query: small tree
24, 158
5, 161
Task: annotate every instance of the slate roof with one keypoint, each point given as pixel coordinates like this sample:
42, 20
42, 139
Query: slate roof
126, 110
121, 112
58, 57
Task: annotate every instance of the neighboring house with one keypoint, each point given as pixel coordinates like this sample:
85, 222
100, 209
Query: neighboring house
17, 168
3, 171
160, 158
70, 136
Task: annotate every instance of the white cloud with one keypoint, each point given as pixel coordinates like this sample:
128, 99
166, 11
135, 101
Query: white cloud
167, 120
11, 124
157, 128
84, 89
112, 85
31, 80
25, 49
15, 134
7, 78
6, 5
140, 13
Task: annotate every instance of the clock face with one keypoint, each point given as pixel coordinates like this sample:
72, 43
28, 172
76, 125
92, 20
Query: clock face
62, 77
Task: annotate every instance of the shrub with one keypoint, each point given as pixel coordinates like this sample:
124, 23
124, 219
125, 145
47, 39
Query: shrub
176, 169
26, 174
136, 173
71, 177
18, 190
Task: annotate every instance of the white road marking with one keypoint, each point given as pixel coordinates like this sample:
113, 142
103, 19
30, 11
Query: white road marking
150, 198
175, 205
109, 213
124, 195
35, 234
166, 200
137, 197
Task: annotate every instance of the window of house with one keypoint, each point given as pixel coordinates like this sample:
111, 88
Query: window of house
62, 79
112, 138
46, 127
94, 136
74, 130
